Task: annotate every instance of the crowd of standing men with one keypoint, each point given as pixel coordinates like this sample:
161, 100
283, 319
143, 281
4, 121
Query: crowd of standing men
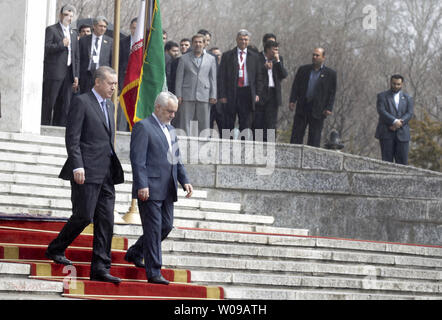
241, 84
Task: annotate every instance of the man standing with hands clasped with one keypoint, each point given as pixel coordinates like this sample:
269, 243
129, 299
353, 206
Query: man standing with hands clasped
313, 96
93, 169
395, 110
156, 169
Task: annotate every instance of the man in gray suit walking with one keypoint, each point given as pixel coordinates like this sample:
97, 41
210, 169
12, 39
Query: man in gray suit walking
195, 87
157, 169
395, 110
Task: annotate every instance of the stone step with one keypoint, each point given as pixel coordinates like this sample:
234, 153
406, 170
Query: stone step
14, 282
9, 197
51, 183
369, 284
13, 185
348, 245
311, 268
260, 252
254, 293
27, 138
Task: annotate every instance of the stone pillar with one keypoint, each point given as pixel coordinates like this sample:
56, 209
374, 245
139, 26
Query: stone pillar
22, 27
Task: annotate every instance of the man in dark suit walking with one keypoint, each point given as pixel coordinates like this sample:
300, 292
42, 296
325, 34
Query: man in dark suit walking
395, 109
273, 72
313, 96
240, 83
156, 169
95, 51
61, 69
93, 169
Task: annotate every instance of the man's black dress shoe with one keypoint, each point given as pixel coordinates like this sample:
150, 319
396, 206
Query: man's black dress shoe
105, 277
58, 258
137, 261
158, 280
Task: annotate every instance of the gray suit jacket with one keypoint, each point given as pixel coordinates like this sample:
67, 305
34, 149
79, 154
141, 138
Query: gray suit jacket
153, 166
193, 83
387, 111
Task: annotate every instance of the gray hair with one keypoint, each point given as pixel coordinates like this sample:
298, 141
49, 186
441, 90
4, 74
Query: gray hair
163, 98
102, 72
244, 32
100, 18
68, 8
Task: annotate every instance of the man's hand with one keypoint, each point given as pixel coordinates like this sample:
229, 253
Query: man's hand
292, 106
223, 100
143, 194
66, 42
212, 101
79, 176
75, 86
189, 190
269, 65
257, 99
327, 113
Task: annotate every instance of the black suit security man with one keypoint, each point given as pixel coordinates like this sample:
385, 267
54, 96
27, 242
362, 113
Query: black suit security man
95, 51
313, 96
61, 69
395, 109
240, 83
273, 72
93, 169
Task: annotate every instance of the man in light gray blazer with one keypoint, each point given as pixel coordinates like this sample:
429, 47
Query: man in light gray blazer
195, 87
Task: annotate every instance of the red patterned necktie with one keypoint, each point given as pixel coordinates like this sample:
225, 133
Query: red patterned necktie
241, 70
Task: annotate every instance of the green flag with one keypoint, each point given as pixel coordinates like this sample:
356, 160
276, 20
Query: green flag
153, 72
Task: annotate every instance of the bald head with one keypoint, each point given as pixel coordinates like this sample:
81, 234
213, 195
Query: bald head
318, 57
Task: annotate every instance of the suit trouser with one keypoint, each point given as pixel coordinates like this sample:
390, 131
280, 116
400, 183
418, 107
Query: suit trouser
266, 114
157, 220
57, 95
393, 149
300, 123
87, 81
90, 203
243, 107
193, 111
217, 115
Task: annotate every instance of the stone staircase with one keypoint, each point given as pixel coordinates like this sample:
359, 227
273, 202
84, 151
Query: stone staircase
221, 245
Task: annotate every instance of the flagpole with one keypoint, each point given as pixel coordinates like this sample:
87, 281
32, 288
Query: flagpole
115, 66
116, 57
132, 216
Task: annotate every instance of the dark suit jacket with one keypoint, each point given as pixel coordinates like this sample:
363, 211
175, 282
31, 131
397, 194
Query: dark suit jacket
123, 60
387, 111
279, 74
56, 54
89, 142
325, 91
229, 69
151, 162
85, 54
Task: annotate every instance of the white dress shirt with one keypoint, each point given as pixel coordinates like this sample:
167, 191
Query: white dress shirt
67, 35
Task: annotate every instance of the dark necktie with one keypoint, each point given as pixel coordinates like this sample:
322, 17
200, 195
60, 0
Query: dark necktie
106, 115
94, 53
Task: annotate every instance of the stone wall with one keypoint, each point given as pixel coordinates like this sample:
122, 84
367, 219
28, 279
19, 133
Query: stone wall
330, 193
